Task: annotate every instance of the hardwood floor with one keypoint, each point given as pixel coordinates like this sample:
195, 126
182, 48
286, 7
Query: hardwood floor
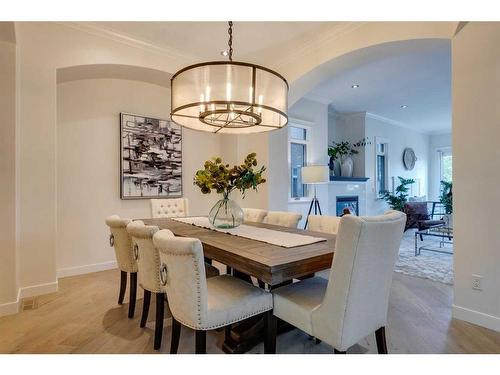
84, 317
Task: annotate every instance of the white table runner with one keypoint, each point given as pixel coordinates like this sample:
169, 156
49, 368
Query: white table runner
274, 237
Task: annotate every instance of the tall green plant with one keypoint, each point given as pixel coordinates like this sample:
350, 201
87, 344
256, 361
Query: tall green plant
446, 197
397, 201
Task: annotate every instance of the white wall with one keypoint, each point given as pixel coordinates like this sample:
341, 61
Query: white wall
476, 131
316, 114
399, 138
43, 48
8, 277
88, 165
437, 142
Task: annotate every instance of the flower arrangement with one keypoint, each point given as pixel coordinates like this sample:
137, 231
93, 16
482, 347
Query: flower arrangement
220, 177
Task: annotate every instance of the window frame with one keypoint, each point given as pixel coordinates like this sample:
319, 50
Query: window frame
441, 152
386, 153
307, 126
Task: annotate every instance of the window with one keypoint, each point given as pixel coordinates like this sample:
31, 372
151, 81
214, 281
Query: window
445, 165
381, 166
298, 139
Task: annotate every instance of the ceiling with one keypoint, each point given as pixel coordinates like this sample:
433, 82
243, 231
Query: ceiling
415, 73
205, 40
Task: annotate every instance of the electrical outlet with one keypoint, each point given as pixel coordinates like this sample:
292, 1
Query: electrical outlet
477, 282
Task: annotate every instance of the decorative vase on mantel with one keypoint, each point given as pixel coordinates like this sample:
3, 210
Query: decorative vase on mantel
226, 213
346, 167
334, 166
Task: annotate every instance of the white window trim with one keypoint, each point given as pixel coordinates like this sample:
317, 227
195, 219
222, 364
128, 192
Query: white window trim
379, 140
296, 123
440, 151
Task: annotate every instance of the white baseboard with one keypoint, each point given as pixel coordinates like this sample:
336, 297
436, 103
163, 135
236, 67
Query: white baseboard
37, 290
89, 268
476, 317
28, 291
9, 308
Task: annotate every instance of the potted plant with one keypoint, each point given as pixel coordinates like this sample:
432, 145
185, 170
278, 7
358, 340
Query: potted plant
220, 177
397, 201
340, 154
446, 198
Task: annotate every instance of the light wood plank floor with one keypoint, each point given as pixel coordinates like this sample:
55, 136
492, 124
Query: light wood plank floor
83, 317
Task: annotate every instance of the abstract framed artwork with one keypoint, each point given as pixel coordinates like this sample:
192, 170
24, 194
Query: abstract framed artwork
150, 157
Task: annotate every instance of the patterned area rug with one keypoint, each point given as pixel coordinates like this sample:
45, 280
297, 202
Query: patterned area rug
427, 265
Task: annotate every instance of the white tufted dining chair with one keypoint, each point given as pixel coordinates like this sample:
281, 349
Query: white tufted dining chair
120, 240
255, 215
325, 224
151, 273
204, 304
353, 303
148, 262
283, 218
177, 207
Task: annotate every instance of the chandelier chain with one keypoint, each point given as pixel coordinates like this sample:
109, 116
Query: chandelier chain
230, 42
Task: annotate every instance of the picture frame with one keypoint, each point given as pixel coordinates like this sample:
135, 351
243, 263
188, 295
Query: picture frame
150, 157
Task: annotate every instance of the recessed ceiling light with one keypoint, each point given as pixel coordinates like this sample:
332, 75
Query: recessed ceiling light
224, 53
404, 106
354, 86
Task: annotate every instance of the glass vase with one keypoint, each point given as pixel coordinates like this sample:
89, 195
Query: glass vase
226, 213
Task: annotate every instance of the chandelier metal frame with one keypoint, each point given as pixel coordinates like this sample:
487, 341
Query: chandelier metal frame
229, 114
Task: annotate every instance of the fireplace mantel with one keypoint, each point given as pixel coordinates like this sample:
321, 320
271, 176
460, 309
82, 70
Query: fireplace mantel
348, 179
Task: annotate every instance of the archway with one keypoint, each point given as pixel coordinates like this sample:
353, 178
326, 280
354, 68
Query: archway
90, 99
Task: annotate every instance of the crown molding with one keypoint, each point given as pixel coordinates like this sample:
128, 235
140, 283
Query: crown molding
311, 44
298, 121
440, 132
130, 40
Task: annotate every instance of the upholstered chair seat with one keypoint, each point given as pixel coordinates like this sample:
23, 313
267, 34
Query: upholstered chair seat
165, 208
353, 303
199, 303
121, 241
230, 300
255, 215
325, 224
283, 218
295, 302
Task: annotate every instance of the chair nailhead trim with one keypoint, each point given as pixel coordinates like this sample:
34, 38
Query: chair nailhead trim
236, 320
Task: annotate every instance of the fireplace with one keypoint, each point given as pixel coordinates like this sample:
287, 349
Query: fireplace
350, 193
348, 201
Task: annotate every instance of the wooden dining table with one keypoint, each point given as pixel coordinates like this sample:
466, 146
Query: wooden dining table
270, 264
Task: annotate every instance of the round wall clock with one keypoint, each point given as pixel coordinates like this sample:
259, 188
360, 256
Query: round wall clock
409, 158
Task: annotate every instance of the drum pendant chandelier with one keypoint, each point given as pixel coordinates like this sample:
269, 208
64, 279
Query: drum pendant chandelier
229, 97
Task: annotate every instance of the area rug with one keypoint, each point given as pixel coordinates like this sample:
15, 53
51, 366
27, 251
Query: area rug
427, 265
